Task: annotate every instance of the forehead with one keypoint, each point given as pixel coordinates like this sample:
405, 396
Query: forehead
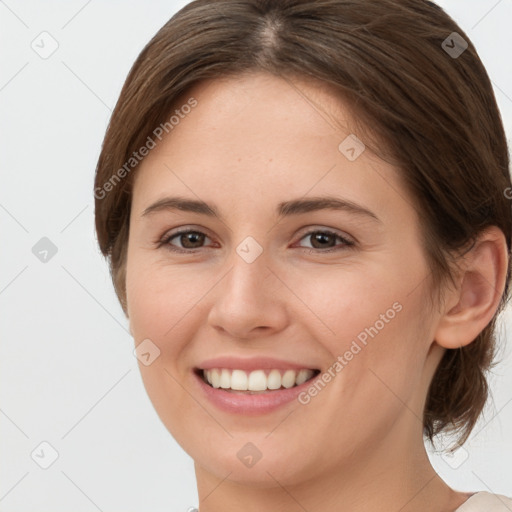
254, 114
304, 102
261, 136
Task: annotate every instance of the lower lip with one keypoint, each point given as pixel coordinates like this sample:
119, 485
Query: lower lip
251, 404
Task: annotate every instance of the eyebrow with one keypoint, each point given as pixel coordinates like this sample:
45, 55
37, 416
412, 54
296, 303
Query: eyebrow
284, 209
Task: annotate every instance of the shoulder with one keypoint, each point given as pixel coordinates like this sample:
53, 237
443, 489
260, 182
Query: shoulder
484, 501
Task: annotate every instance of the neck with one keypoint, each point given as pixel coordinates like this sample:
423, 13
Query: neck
394, 475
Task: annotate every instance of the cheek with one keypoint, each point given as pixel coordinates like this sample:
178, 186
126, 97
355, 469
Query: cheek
375, 331
160, 298
160, 308
377, 369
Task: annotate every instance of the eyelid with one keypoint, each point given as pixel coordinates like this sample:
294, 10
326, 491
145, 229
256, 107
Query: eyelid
315, 227
184, 229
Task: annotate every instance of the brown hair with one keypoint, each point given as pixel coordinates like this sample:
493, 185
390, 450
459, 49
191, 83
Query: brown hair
429, 111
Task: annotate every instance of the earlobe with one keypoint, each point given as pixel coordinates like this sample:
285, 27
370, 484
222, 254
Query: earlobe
477, 297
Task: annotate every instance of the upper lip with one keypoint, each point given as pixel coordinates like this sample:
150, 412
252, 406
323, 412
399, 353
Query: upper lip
252, 363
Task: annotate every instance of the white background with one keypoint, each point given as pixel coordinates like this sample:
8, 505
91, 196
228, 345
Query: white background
68, 375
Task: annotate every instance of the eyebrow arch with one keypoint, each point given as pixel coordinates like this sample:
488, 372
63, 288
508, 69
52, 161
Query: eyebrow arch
284, 209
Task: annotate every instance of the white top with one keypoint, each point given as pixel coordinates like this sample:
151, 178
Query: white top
484, 501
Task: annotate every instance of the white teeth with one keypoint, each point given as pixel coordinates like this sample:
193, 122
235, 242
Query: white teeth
239, 380
274, 379
288, 379
257, 380
225, 379
302, 377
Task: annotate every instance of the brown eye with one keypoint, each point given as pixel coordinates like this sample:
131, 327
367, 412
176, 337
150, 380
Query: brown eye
325, 239
188, 239
191, 239
321, 240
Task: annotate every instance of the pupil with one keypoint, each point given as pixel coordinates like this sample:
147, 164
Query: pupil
321, 236
189, 236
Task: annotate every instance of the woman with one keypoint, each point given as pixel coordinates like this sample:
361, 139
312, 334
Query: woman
303, 204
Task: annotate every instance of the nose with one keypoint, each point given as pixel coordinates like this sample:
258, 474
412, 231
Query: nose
248, 300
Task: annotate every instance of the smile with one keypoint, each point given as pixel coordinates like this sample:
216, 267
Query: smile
256, 381
253, 391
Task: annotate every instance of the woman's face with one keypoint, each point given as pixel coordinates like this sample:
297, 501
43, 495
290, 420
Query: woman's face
262, 280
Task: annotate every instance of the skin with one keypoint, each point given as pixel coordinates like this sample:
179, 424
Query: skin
250, 143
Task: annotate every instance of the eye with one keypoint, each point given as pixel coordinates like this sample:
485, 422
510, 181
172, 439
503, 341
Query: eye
189, 239
322, 238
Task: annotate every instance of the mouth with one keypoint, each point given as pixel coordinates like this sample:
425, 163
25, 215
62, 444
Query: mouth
255, 382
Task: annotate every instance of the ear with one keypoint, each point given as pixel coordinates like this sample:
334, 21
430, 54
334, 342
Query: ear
472, 304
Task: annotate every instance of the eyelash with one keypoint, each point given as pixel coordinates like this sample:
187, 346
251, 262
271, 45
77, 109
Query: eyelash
166, 241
